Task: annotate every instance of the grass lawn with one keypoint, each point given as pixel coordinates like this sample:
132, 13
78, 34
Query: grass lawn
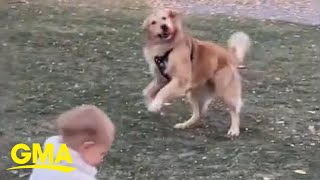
56, 57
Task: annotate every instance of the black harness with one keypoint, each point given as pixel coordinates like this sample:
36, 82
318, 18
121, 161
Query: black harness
162, 61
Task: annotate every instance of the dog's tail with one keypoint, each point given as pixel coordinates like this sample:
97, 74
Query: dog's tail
239, 44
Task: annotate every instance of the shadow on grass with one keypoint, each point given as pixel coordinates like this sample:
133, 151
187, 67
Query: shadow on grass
53, 58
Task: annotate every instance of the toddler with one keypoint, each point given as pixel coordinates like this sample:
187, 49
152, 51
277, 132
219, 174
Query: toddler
88, 133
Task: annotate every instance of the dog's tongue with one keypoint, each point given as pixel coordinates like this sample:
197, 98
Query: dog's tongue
165, 35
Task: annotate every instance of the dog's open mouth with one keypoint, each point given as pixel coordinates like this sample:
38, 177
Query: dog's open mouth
165, 35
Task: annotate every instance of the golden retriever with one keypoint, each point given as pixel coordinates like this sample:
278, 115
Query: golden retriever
182, 65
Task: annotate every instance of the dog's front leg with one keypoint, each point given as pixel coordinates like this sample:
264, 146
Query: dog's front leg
150, 91
175, 88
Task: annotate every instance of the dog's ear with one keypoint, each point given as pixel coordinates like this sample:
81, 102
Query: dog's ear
174, 12
145, 23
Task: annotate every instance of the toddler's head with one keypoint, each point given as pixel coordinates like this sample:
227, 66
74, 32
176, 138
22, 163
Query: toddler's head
87, 130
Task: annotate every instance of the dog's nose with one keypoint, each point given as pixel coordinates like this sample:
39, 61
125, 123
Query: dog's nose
164, 27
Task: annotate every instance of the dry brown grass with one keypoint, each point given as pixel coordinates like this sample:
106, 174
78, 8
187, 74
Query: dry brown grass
242, 2
105, 4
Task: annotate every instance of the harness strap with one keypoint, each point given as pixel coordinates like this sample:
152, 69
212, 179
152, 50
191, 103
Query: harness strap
192, 51
162, 61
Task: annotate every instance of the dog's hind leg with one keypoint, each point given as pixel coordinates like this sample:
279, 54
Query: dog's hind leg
234, 104
228, 86
199, 101
196, 110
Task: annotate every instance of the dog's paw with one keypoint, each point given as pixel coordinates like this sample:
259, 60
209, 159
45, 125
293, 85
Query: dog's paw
233, 132
145, 92
241, 66
187, 125
180, 126
147, 101
155, 106
147, 97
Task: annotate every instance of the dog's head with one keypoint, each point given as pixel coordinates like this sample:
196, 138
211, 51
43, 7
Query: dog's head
162, 25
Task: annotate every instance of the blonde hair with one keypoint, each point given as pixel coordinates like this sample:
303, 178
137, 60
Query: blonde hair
85, 123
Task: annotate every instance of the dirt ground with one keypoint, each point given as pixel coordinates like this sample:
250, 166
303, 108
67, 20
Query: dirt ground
56, 57
302, 11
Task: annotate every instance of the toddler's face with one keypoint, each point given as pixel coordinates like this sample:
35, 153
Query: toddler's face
93, 154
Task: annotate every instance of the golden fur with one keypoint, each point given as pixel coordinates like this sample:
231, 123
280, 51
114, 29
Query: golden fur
212, 71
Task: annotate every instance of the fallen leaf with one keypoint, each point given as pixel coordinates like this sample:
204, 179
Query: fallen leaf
312, 112
312, 129
299, 171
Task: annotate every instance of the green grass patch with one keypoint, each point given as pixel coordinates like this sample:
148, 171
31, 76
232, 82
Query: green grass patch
56, 57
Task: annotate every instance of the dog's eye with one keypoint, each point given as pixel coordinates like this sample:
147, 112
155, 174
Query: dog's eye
153, 22
164, 18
